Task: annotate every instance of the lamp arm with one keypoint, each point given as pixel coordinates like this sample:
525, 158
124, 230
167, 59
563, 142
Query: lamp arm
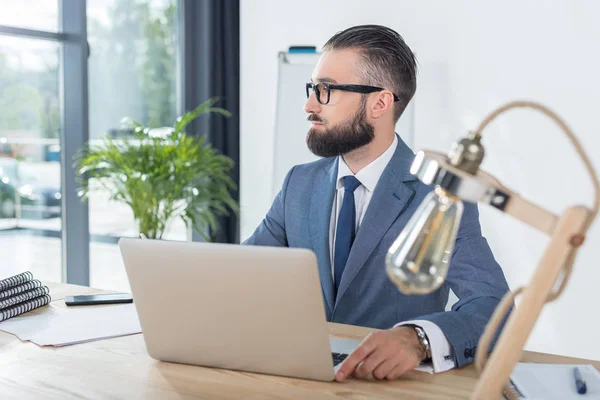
517, 207
566, 130
433, 168
558, 257
534, 215
567, 236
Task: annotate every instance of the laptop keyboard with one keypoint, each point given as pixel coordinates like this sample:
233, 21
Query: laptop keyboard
338, 358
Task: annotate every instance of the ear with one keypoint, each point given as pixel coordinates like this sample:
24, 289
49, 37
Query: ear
384, 103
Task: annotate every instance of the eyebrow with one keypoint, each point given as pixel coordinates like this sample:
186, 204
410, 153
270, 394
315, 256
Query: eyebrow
325, 79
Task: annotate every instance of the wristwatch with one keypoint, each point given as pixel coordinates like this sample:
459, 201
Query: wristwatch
424, 340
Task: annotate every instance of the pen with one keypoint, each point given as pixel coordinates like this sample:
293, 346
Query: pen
579, 382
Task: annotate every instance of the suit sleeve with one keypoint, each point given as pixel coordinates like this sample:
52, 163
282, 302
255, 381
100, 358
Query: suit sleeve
478, 282
271, 231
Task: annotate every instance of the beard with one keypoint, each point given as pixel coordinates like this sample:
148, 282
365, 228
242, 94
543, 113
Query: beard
342, 138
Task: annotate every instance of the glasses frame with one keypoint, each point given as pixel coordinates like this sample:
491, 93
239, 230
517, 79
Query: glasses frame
347, 88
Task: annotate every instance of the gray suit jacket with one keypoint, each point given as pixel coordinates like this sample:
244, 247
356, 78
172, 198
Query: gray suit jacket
300, 217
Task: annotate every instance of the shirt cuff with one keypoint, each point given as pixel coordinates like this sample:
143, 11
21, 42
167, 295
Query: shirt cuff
441, 351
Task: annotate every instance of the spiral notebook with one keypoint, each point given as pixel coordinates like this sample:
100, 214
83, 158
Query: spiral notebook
20, 294
15, 280
8, 293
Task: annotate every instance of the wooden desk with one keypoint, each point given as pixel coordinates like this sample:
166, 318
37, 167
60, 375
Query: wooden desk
120, 368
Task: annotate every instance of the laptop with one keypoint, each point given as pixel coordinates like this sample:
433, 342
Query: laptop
247, 308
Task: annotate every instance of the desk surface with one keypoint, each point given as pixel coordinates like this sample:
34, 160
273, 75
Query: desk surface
120, 368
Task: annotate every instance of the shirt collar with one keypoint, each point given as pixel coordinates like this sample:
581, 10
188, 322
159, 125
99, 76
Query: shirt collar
369, 175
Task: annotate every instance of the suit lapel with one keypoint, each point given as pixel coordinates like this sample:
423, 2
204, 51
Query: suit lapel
390, 198
321, 204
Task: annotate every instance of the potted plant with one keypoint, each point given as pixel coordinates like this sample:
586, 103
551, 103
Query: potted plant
162, 174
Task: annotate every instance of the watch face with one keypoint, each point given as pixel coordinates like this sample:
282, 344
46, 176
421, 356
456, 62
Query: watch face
423, 339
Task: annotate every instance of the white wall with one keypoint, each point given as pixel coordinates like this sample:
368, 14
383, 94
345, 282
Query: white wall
473, 56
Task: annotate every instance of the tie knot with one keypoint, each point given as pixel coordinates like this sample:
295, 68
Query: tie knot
351, 183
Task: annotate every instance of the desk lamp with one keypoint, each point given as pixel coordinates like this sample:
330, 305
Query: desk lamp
417, 262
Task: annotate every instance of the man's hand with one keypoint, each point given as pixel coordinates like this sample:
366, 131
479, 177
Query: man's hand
386, 354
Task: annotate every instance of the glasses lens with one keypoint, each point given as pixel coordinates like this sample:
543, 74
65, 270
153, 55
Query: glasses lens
322, 91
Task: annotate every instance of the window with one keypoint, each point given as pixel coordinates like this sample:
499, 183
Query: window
30, 187
132, 73
30, 14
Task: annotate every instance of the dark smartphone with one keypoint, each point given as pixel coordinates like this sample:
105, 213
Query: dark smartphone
93, 299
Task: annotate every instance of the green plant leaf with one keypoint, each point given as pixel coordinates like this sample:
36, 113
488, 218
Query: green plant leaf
162, 178
204, 108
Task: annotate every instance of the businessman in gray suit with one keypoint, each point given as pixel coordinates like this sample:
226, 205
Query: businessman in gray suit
349, 206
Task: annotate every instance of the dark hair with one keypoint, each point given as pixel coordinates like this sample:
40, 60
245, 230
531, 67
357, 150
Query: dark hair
388, 62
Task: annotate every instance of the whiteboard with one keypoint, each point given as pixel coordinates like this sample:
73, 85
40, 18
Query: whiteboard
291, 125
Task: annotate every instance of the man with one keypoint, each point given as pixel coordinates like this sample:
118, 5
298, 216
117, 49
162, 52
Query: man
349, 207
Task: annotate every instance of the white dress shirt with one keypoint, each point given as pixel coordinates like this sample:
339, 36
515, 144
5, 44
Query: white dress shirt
368, 177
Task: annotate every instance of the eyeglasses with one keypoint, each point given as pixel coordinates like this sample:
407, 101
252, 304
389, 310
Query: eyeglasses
323, 90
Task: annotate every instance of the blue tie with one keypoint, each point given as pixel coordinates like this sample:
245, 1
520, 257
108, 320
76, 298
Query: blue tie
345, 229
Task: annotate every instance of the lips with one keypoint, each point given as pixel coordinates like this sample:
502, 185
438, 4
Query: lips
314, 121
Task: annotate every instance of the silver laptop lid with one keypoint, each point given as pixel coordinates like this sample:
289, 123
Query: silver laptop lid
238, 307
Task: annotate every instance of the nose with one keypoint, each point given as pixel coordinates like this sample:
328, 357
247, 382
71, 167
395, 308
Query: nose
312, 106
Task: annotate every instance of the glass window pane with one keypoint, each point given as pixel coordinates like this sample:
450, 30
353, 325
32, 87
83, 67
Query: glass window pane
41, 15
139, 38
30, 195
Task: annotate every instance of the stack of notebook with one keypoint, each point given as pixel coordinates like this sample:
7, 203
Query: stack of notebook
20, 294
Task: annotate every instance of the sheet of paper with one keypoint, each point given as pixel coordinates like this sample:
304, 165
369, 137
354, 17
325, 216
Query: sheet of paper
554, 381
57, 325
